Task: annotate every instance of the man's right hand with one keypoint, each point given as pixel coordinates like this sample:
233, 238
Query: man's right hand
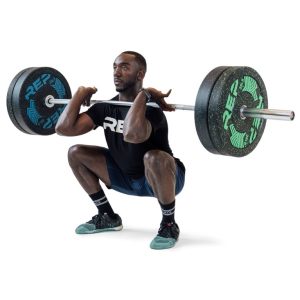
84, 94
71, 122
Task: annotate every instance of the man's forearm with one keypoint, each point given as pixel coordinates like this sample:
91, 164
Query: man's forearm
137, 128
69, 116
71, 122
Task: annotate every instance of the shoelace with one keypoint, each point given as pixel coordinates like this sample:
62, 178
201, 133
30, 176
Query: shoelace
96, 219
101, 220
166, 230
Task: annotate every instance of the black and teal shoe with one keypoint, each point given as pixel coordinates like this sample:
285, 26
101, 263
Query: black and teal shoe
167, 236
100, 223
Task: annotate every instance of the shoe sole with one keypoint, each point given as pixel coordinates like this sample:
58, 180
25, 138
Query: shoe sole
160, 243
118, 228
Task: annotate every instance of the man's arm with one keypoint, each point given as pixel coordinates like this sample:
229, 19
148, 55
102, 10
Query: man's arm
71, 122
137, 128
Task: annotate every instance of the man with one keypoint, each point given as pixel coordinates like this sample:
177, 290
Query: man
138, 161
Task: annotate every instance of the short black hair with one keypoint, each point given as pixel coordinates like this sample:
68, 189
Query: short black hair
139, 58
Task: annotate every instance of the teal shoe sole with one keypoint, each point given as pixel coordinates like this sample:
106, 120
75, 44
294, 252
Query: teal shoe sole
160, 243
83, 229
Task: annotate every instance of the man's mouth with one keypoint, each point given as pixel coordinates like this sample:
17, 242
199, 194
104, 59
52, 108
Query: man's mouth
117, 81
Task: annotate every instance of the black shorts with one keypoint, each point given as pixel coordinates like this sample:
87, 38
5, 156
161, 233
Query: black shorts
138, 187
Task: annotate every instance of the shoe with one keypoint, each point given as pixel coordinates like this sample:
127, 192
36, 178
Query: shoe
100, 223
167, 236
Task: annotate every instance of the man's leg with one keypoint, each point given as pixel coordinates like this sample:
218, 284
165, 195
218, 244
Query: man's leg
89, 165
160, 171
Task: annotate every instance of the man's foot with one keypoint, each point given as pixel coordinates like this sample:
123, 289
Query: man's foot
100, 223
167, 236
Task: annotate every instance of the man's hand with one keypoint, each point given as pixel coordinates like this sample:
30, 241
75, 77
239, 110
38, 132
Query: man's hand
159, 98
71, 122
85, 94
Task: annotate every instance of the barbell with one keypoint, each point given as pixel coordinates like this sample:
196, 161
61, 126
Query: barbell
230, 111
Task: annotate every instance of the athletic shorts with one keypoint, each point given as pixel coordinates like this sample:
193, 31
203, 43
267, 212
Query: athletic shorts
137, 187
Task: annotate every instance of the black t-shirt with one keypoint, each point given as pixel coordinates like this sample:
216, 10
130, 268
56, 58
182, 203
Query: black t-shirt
129, 156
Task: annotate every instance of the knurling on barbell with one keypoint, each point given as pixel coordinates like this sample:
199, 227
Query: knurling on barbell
230, 111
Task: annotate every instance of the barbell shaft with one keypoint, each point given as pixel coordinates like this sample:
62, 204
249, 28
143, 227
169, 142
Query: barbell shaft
50, 100
274, 114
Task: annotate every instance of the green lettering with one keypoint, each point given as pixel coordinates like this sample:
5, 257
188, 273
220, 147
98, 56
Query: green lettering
234, 87
250, 86
253, 134
226, 118
230, 103
256, 123
237, 138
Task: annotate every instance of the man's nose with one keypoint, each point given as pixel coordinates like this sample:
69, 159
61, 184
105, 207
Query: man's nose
117, 72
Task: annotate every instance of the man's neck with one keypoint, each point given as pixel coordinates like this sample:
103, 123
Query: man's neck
129, 95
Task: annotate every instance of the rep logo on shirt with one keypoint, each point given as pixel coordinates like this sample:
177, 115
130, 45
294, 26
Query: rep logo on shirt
113, 124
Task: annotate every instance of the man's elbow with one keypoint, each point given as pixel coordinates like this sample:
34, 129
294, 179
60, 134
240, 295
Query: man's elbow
134, 138
136, 134
60, 130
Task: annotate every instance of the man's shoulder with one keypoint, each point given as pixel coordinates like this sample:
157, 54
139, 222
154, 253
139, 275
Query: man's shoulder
115, 97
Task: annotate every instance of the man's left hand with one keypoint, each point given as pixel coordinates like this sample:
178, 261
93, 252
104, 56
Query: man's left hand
159, 98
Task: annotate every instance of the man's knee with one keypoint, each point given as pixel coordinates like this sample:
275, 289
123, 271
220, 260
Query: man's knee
158, 160
74, 153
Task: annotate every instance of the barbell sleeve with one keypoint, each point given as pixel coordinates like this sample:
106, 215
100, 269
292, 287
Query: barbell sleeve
274, 114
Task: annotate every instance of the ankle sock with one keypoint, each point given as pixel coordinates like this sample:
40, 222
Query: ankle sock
102, 203
168, 212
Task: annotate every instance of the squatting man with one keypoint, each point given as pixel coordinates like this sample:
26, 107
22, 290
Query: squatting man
138, 159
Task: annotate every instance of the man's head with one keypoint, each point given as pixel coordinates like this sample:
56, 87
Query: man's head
129, 71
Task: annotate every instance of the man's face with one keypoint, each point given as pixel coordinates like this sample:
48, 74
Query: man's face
126, 72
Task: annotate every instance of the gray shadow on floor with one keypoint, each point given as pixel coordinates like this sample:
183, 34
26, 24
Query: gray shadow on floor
184, 239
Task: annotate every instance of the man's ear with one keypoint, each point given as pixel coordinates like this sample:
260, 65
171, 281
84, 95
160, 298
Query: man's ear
140, 75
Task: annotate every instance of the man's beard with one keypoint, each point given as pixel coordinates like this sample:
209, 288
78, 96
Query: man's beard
125, 86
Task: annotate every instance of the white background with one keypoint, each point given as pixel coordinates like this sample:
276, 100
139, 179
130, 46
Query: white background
239, 218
